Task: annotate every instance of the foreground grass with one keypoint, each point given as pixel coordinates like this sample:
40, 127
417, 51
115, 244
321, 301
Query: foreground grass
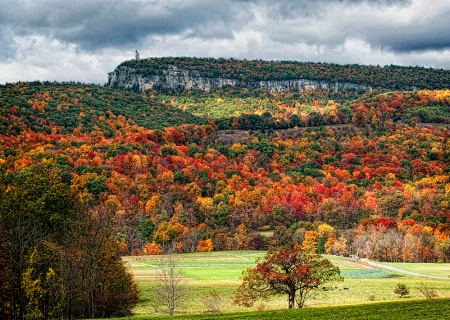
413, 309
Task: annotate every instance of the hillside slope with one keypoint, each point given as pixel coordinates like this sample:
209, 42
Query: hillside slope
86, 108
351, 165
68, 107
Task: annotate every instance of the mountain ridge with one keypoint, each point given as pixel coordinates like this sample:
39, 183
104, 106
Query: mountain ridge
206, 74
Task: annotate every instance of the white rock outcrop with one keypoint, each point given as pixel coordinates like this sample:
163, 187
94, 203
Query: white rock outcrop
178, 78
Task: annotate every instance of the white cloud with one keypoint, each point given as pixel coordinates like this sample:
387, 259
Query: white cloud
44, 58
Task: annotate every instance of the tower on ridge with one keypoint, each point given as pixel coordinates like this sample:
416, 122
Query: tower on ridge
137, 56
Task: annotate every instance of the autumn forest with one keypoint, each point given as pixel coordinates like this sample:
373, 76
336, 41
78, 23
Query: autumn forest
353, 172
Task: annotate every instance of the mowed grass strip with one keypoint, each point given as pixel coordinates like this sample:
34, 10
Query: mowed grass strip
434, 269
226, 265
215, 273
398, 310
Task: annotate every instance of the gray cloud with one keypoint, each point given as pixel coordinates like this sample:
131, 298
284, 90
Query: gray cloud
286, 9
381, 24
97, 24
7, 43
418, 36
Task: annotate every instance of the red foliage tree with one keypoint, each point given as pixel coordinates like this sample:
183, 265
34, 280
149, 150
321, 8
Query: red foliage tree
285, 272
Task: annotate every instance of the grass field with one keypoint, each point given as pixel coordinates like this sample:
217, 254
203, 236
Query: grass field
221, 271
434, 269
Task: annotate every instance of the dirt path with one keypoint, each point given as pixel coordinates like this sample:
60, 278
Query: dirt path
397, 270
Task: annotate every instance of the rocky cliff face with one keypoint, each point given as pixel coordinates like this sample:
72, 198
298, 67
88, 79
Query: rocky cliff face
177, 78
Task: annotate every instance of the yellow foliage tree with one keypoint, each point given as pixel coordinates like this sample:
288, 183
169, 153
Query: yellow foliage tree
152, 203
310, 242
324, 230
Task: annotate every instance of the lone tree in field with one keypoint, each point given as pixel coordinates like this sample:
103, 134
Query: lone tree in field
292, 272
170, 289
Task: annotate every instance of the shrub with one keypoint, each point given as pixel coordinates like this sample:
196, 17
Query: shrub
212, 301
401, 289
427, 291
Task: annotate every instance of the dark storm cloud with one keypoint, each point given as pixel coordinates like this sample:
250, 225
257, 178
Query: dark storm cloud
329, 23
430, 34
96, 24
326, 23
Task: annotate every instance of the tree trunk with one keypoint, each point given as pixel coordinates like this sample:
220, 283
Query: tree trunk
291, 300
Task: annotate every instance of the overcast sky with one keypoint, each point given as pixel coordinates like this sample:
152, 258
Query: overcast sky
82, 40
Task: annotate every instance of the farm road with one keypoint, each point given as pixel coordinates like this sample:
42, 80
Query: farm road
397, 270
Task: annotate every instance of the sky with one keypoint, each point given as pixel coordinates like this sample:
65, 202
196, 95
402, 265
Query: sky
83, 40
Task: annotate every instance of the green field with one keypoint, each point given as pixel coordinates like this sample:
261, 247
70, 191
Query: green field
221, 271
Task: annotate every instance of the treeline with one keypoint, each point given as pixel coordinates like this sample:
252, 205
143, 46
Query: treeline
387, 77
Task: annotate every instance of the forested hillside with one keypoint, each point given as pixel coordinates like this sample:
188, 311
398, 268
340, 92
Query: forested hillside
354, 179
67, 108
84, 167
